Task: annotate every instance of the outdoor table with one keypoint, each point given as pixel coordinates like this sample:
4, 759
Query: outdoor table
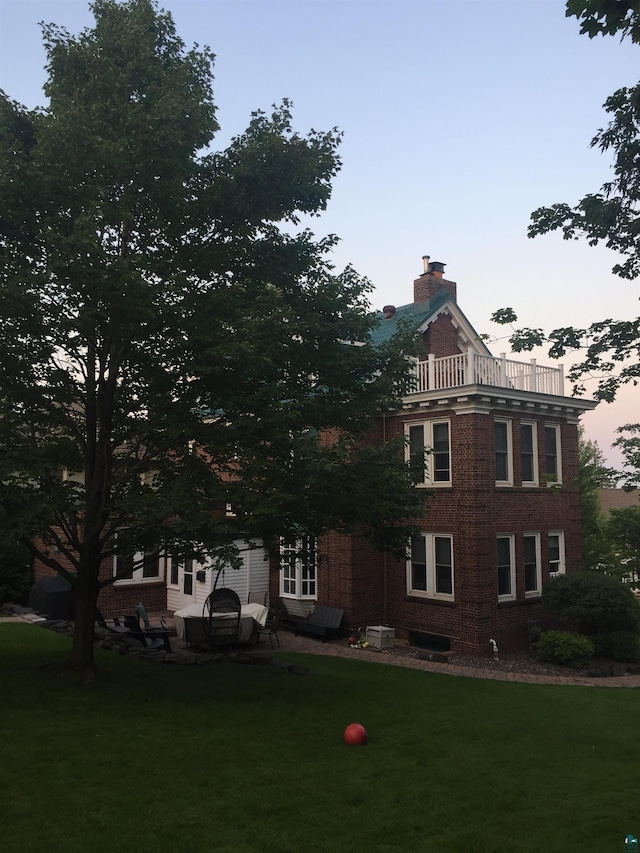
189, 623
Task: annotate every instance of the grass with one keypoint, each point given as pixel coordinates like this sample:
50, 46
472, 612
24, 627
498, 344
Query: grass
248, 759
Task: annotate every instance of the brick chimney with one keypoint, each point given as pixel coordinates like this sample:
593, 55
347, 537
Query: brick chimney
431, 281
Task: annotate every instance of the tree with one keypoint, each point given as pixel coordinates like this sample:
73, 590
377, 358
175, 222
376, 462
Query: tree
173, 342
606, 17
612, 216
630, 447
593, 475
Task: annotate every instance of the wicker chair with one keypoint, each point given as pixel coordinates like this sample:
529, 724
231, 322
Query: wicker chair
221, 631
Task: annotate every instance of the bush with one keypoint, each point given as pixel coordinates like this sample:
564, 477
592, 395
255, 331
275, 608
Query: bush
565, 648
595, 602
15, 574
619, 645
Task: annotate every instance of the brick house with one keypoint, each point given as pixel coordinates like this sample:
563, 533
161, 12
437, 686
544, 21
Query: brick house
500, 439
495, 443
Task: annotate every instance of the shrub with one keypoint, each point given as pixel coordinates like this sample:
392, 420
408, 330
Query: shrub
565, 647
15, 574
619, 645
595, 602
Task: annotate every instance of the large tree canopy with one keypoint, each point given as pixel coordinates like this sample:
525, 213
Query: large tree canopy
606, 17
608, 348
170, 334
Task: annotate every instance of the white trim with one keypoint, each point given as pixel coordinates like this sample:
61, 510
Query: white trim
428, 444
558, 434
537, 592
429, 541
561, 564
509, 424
138, 569
507, 596
534, 450
298, 576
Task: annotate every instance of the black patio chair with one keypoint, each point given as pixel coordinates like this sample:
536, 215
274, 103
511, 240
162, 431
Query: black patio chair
271, 627
221, 630
116, 628
156, 638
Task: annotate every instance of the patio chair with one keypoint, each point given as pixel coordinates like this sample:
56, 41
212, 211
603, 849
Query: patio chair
116, 628
271, 627
221, 630
141, 613
155, 638
258, 598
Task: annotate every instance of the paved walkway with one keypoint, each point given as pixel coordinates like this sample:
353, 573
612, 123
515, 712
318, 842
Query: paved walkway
307, 645
289, 642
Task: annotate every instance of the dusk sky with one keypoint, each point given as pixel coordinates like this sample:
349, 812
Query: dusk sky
460, 117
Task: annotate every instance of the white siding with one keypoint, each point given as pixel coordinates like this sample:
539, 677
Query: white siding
252, 576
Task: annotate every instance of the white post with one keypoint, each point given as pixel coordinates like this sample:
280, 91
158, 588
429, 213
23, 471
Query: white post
503, 370
533, 378
431, 365
561, 380
469, 372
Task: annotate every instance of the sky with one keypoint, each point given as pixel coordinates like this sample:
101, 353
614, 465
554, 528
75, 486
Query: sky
460, 117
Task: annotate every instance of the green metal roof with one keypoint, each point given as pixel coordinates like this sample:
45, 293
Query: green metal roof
415, 314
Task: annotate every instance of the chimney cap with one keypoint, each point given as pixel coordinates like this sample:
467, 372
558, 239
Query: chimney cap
436, 267
389, 311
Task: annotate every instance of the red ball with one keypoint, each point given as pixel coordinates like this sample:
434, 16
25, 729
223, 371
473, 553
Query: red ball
356, 735
353, 641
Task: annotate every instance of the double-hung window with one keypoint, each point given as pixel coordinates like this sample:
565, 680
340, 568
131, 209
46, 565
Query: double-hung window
506, 566
556, 552
529, 454
503, 452
298, 561
430, 566
532, 565
429, 452
552, 459
137, 568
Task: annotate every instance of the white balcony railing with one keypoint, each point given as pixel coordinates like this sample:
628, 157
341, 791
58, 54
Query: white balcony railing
472, 368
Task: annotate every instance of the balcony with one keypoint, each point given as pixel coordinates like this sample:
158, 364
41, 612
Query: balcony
472, 368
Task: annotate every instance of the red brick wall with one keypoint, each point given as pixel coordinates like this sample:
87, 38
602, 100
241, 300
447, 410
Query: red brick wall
123, 598
428, 284
373, 589
441, 338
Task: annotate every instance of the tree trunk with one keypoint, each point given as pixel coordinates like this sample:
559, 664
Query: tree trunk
85, 597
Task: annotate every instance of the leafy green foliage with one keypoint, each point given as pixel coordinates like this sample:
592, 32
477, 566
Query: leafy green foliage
565, 648
15, 571
618, 645
622, 529
596, 603
170, 337
593, 475
630, 448
608, 348
606, 17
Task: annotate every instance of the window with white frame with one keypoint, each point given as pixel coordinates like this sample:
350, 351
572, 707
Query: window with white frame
181, 566
532, 565
430, 566
529, 453
552, 459
298, 562
503, 452
141, 567
429, 452
556, 552
506, 566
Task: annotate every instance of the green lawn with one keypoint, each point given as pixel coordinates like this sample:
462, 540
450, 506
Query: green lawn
240, 758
